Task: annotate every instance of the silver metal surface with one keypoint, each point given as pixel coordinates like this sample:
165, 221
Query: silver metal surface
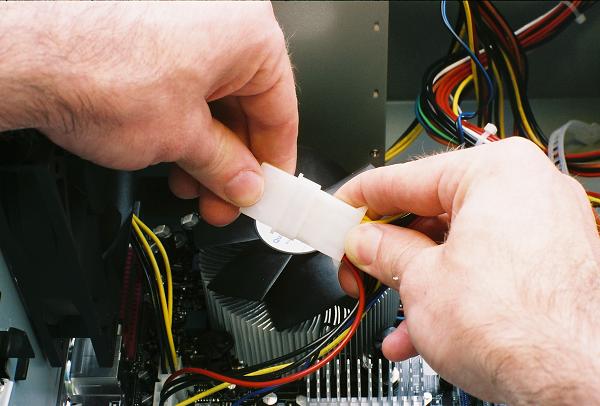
257, 340
85, 381
162, 231
189, 221
401, 385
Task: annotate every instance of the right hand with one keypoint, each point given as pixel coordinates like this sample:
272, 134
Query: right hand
507, 306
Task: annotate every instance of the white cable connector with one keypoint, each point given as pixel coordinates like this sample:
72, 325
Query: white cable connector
489, 129
579, 17
298, 209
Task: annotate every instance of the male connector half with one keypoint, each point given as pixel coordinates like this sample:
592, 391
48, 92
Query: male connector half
298, 209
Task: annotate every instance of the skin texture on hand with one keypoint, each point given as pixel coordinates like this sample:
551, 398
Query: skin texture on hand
205, 85
506, 307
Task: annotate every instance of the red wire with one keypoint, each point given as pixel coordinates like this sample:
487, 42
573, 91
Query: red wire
448, 82
593, 194
300, 374
555, 22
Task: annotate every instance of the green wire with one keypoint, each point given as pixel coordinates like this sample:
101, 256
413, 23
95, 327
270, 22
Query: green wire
436, 130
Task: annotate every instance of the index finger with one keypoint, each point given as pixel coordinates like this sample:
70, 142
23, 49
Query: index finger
422, 187
438, 184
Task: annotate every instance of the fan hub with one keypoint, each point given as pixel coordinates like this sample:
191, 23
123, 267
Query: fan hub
281, 243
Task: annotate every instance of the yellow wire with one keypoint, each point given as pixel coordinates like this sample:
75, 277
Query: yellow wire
413, 133
225, 385
165, 257
404, 144
335, 342
501, 129
393, 151
389, 219
268, 370
472, 46
204, 394
515, 86
161, 289
459, 90
461, 34
594, 199
325, 350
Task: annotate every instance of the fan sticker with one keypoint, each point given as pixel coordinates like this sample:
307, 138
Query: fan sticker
281, 243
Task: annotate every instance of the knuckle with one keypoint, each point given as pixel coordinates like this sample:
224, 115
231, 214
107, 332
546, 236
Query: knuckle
573, 183
521, 150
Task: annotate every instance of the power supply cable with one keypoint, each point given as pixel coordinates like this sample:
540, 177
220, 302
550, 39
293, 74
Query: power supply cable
327, 353
161, 332
136, 224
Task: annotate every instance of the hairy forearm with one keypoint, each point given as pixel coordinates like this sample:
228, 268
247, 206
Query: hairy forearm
557, 359
26, 81
550, 375
52, 60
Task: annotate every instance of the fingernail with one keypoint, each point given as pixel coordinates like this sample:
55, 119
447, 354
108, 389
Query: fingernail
362, 244
245, 188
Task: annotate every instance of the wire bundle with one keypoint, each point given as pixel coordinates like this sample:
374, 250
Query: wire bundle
487, 56
161, 302
288, 368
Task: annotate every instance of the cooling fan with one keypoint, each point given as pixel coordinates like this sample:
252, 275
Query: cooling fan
293, 281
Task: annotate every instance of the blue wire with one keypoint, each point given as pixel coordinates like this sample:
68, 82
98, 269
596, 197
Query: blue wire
464, 399
417, 115
459, 127
491, 86
254, 394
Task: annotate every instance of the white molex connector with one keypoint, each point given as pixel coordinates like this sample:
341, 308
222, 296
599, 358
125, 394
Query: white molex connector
298, 209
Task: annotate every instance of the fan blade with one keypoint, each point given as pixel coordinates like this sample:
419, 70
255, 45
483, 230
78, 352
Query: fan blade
308, 286
241, 230
251, 274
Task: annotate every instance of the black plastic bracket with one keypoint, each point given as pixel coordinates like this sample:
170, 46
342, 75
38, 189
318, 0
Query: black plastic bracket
14, 343
64, 239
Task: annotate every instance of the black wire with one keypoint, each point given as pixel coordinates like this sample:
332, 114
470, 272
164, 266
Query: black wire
521, 76
181, 383
483, 107
156, 305
495, 49
313, 349
560, 28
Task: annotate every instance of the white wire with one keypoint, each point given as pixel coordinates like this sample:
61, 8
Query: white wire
481, 51
529, 24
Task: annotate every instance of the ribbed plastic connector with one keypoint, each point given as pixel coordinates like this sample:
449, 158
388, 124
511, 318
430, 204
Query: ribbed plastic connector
298, 209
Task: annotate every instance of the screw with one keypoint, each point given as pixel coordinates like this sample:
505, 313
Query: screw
374, 153
270, 399
189, 221
375, 93
376, 26
162, 231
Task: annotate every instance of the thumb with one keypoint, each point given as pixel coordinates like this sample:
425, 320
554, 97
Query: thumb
221, 161
385, 251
